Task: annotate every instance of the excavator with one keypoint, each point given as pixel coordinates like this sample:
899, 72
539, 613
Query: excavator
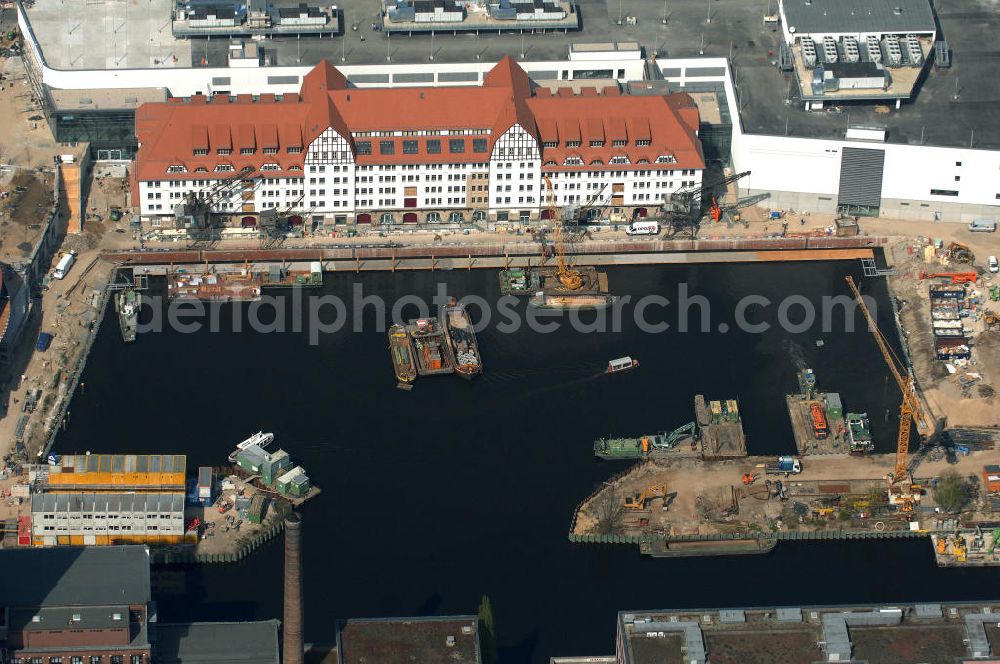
568, 277
955, 277
638, 501
910, 411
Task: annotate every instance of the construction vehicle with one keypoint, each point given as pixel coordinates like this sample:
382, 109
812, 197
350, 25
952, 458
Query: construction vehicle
785, 465
568, 277
955, 277
683, 206
725, 212
638, 501
959, 549
748, 478
910, 410
942, 546
820, 427
821, 512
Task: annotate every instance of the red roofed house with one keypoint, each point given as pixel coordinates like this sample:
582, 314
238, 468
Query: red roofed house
420, 154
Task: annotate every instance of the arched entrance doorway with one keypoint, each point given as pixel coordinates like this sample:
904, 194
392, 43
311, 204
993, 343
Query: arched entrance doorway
363, 218
410, 218
639, 213
248, 222
295, 220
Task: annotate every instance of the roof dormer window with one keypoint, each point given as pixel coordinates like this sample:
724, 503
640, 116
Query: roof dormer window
223, 152
201, 152
573, 161
176, 168
666, 159
224, 168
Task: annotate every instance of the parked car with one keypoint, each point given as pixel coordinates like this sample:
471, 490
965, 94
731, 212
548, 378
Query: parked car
983, 226
991, 262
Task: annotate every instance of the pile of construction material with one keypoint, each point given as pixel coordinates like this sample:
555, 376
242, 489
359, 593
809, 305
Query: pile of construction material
953, 307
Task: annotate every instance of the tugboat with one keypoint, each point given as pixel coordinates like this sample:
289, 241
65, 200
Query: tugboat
402, 356
468, 363
622, 364
127, 306
259, 439
859, 434
431, 347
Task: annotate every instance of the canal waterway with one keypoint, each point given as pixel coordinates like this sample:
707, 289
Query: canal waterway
434, 497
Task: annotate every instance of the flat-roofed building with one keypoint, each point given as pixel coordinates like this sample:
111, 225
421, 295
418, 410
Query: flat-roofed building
445, 640
107, 518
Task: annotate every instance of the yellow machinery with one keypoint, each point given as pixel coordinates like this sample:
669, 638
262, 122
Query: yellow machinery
638, 501
568, 277
958, 547
942, 545
909, 409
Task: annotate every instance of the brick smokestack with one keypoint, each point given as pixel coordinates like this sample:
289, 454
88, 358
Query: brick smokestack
292, 640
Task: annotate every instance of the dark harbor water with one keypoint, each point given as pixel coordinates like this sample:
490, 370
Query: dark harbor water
433, 497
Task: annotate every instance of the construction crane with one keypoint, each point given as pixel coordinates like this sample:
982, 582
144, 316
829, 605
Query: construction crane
568, 277
680, 205
638, 501
198, 206
910, 408
723, 212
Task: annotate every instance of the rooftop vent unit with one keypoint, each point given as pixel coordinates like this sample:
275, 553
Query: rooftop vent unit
808, 52
873, 49
893, 55
829, 50
851, 53
913, 51
450, 641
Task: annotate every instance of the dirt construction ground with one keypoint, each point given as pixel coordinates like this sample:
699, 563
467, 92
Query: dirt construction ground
699, 493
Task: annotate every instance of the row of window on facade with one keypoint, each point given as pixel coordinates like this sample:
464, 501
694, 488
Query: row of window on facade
80, 659
431, 146
598, 143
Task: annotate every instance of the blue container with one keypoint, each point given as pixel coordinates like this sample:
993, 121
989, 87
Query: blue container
44, 341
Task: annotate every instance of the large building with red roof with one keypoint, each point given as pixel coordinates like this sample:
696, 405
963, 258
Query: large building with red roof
337, 154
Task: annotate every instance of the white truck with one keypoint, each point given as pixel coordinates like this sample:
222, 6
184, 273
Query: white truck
643, 228
64, 265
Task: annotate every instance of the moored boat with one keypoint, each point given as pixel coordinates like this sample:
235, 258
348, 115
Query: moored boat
618, 365
259, 439
859, 434
468, 362
401, 352
127, 308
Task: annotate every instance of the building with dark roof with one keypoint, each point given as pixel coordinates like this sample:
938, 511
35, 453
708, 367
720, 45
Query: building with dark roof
217, 643
444, 640
412, 154
68, 605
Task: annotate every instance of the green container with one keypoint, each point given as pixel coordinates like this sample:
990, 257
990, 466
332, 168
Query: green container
834, 407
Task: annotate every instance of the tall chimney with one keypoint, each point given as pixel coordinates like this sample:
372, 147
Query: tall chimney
293, 591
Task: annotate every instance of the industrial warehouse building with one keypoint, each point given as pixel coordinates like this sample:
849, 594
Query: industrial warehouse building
346, 155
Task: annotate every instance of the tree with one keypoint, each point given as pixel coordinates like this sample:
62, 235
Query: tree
951, 493
609, 511
487, 631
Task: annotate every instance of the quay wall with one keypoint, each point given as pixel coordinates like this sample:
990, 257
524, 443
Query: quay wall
190, 555
805, 248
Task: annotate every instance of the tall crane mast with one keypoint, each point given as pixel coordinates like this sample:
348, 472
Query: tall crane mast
568, 277
910, 409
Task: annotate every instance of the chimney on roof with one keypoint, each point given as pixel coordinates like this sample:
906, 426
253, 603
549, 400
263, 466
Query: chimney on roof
292, 636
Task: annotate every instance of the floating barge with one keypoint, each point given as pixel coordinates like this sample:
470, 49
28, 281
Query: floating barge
528, 281
431, 348
644, 447
721, 429
278, 276
401, 352
221, 287
564, 301
462, 337
817, 419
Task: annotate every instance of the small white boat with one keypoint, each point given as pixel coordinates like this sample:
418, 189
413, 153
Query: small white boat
622, 364
259, 439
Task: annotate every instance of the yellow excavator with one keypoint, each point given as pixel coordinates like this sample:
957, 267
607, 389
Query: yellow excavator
638, 501
568, 277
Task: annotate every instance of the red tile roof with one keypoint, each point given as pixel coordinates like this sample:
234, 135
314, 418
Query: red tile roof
169, 133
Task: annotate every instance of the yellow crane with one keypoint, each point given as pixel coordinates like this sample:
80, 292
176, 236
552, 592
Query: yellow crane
568, 277
638, 501
909, 409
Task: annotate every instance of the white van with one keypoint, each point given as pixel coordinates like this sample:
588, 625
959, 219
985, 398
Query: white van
643, 228
983, 226
64, 265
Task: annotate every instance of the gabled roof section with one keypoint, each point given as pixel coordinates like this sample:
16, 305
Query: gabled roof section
320, 80
267, 134
508, 75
